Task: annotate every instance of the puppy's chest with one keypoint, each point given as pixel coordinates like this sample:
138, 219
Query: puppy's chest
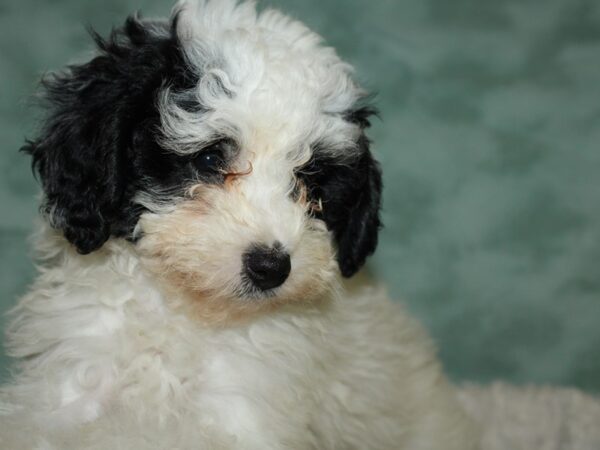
239, 376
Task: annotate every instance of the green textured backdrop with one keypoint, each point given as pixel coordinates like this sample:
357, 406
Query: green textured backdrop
490, 145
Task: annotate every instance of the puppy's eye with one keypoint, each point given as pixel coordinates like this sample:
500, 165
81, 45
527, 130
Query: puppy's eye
212, 158
208, 161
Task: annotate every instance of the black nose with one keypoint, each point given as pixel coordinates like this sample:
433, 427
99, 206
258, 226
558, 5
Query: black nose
267, 267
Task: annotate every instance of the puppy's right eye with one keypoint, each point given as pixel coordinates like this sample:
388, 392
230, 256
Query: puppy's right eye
209, 161
212, 159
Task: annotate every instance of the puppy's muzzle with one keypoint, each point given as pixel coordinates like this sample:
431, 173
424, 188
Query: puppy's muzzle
266, 267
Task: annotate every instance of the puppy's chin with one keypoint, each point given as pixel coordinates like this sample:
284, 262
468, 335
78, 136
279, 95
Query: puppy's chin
233, 304
217, 310
196, 259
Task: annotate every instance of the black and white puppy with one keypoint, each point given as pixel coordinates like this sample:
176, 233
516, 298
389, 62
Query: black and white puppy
206, 180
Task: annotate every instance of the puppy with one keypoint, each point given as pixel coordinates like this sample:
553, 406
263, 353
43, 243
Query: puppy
206, 181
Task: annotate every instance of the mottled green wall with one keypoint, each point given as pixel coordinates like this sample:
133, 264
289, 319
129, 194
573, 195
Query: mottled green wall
490, 145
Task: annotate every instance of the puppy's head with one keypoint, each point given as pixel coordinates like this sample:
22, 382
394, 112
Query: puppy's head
228, 146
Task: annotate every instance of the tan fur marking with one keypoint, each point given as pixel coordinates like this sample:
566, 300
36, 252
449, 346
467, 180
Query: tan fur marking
230, 177
197, 261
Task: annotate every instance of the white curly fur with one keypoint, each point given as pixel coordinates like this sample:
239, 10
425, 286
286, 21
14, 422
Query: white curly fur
148, 346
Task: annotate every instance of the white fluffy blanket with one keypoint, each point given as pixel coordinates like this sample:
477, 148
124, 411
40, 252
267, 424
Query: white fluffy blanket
534, 418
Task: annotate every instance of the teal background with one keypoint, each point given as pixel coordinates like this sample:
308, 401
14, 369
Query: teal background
489, 140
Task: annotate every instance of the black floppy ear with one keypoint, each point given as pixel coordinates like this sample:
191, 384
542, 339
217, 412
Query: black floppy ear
81, 153
357, 235
349, 192
78, 158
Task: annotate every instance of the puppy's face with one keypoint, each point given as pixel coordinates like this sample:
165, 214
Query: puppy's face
229, 147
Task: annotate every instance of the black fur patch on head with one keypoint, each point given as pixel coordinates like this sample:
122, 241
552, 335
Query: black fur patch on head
350, 193
99, 141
